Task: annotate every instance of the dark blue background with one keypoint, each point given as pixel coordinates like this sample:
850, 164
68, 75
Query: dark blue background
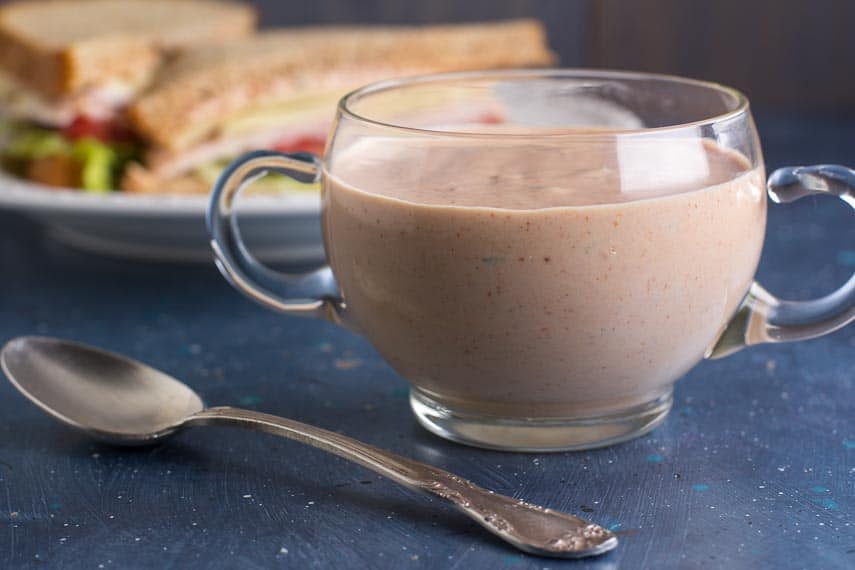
755, 468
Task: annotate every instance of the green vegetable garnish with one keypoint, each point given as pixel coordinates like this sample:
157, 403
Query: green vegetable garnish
101, 164
272, 182
97, 164
35, 143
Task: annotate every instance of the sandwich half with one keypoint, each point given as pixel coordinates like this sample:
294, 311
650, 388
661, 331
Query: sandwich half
279, 89
68, 69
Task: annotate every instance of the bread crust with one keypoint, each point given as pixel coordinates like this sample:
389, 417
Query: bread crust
63, 46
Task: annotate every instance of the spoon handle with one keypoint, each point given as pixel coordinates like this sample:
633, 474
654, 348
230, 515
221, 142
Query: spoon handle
529, 527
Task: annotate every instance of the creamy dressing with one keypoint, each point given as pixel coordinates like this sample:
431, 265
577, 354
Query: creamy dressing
542, 279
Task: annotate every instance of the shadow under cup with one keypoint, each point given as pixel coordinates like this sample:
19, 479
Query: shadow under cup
541, 254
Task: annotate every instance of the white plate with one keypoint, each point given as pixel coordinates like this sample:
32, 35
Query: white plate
283, 228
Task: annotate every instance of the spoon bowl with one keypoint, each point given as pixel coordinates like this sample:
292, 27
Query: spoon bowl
113, 398
122, 401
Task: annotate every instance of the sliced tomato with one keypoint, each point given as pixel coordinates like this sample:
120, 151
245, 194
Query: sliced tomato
312, 144
491, 119
105, 131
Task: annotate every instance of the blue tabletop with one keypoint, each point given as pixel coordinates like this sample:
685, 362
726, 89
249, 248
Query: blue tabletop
755, 467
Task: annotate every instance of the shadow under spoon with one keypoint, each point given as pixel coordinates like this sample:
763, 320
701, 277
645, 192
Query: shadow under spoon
125, 402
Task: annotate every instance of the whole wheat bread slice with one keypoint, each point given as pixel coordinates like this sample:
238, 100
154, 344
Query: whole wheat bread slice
205, 86
57, 47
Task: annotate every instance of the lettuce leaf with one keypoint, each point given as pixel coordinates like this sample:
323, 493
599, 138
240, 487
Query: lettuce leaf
5, 128
34, 143
97, 163
100, 164
272, 182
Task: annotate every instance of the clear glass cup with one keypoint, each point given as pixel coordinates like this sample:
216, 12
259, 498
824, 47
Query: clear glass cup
540, 253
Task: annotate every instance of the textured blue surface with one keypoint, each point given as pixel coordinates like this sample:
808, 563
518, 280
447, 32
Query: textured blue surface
755, 468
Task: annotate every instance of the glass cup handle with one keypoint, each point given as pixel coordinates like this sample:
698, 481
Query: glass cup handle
313, 294
764, 318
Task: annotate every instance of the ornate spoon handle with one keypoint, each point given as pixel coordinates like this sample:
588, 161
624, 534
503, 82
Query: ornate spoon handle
531, 528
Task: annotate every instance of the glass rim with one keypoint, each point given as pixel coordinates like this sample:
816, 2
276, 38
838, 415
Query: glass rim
345, 103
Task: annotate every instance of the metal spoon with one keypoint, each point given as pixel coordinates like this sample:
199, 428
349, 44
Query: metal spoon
125, 402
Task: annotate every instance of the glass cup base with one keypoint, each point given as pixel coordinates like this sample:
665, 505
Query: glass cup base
539, 434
